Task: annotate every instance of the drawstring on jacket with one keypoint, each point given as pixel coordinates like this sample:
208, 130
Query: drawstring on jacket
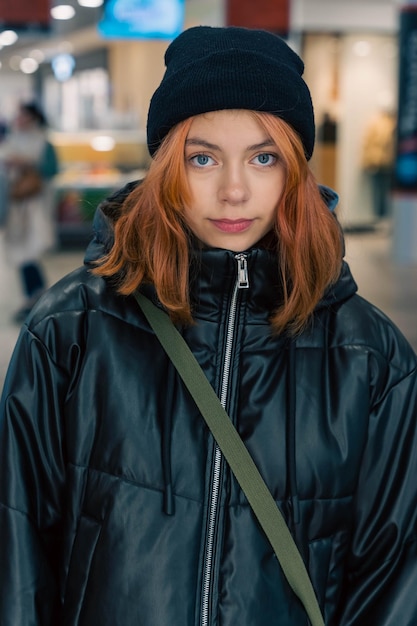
295, 525
291, 436
169, 504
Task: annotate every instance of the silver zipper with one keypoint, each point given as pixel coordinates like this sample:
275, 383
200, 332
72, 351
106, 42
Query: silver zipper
242, 271
242, 282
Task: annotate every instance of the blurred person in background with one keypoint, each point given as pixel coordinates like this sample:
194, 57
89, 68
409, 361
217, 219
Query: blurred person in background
378, 155
116, 505
29, 162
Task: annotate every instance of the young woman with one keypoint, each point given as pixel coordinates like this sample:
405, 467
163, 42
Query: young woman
116, 505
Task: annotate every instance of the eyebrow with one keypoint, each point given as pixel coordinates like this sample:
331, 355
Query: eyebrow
197, 141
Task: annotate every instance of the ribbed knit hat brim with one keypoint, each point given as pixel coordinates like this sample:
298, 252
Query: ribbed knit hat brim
210, 69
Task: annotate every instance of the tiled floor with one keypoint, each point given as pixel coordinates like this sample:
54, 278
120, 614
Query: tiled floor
390, 286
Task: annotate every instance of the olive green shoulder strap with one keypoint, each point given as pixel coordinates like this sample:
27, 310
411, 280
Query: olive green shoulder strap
236, 455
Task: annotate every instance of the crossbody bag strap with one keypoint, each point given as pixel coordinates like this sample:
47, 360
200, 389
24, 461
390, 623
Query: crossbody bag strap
236, 455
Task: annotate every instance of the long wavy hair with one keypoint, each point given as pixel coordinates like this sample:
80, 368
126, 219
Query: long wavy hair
152, 241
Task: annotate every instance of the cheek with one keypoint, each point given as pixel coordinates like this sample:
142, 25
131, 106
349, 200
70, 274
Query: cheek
274, 191
191, 218
202, 197
196, 194
199, 187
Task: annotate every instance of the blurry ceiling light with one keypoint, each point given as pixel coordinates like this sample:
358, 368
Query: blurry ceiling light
362, 48
63, 66
90, 3
62, 12
8, 37
28, 65
102, 143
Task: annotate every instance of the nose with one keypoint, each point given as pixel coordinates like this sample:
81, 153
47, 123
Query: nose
234, 187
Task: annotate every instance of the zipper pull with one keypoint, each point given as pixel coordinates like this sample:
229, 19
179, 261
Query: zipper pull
242, 271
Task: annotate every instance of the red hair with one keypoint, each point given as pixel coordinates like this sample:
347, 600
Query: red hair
152, 240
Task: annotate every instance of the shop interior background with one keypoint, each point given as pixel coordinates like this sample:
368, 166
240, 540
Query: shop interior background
96, 90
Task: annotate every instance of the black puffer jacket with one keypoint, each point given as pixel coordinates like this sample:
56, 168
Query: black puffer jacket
115, 508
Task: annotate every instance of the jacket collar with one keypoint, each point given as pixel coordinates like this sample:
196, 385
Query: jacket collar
215, 273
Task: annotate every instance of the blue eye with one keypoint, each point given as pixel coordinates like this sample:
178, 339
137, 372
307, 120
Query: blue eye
266, 159
201, 160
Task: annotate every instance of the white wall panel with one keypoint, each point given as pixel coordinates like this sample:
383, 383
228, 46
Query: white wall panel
344, 15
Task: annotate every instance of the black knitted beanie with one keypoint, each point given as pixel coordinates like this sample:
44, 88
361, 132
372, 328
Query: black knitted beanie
210, 69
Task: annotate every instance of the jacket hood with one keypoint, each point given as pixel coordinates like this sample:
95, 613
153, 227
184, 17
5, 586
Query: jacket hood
109, 211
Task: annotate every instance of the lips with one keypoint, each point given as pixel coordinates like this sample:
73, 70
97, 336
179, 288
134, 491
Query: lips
232, 226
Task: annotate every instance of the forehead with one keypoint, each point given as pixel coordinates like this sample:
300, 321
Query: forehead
237, 123
227, 115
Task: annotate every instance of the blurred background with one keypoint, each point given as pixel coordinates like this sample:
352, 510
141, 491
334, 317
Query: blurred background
93, 65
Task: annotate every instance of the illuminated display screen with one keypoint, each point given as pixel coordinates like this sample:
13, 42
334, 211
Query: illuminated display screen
142, 19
